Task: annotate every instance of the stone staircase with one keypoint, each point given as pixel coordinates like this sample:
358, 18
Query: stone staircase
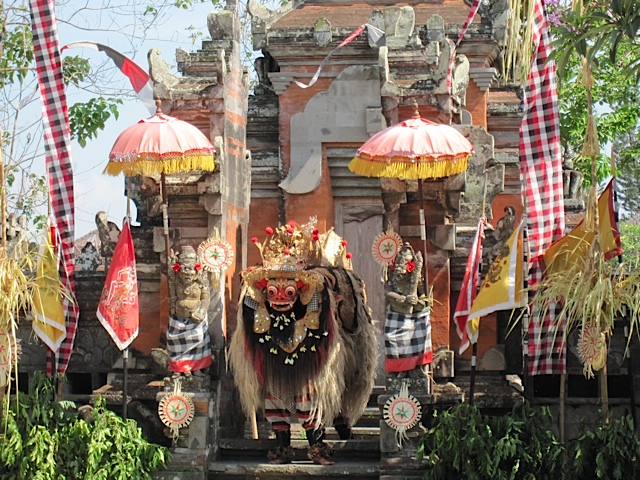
359, 458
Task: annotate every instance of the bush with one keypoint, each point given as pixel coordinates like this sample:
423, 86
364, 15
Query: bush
46, 440
463, 443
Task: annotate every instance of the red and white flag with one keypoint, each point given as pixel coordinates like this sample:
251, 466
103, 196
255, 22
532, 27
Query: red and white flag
118, 310
469, 288
138, 76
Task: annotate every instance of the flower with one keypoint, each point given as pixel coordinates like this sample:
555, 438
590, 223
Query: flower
292, 223
268, 230
344, 243
254, 239
198, 267
316, 237
176, 267
315, 231
411, 266
286, 251
290, 229
349, 255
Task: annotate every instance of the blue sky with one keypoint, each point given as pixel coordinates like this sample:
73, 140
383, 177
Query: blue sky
95, 191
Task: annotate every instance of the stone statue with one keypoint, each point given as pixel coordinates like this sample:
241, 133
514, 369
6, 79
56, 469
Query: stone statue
408, 326
188, 340
108, 232
405, 282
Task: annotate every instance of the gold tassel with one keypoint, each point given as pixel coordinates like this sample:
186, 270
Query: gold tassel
408, 170
151, 165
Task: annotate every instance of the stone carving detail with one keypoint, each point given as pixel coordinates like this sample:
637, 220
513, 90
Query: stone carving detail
159, 71
108, 232
89, 259
322, 32
460, 82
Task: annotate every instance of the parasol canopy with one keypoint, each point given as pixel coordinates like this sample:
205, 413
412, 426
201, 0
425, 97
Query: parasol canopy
160, 144
413, 149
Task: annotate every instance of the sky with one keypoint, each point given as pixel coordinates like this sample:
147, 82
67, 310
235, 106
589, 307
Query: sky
95, 191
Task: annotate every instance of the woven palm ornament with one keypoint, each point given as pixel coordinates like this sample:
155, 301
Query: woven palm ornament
176, 410
402, 412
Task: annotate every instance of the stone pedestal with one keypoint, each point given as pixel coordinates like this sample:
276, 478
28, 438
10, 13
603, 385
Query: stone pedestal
190, 452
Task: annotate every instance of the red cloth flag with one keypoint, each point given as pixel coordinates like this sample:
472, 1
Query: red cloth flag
469, 288
57, 143
118, 310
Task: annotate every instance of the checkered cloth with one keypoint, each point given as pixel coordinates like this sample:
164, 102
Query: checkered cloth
57, 139
407, 341
541, 172
188, 344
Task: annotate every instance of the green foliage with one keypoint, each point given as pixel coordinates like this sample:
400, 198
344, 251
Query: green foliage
90, 117
610, 452
630, 236
463, 443
45, 439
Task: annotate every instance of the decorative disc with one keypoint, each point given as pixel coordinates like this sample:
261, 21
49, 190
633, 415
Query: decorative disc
402, 412
216, 254
592, 347
176, 411
385, 247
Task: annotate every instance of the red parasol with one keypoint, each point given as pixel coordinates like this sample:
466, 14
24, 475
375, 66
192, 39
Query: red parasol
414, 149
160, 144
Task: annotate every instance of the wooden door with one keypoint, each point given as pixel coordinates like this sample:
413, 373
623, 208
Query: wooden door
359, 221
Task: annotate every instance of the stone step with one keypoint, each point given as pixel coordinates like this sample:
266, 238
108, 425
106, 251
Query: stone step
247, 459
298, 470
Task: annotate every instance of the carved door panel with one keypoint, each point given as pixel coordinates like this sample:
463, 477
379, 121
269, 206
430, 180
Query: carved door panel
359, 221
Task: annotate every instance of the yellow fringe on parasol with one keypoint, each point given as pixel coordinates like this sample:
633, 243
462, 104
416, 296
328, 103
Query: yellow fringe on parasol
408, 169
149, 164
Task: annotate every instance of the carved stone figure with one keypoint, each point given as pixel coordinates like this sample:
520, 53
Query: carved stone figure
188, 339
305, 343
108, 232
408, 326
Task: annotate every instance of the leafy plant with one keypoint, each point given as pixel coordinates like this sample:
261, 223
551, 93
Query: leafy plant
463, 443
609, 452
45, 439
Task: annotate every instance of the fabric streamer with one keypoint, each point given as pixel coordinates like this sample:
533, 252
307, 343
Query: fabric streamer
541, 173
57, 141
375, 35
138, 76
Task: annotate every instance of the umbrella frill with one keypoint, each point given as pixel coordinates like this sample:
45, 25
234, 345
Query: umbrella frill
409, 168
152, 163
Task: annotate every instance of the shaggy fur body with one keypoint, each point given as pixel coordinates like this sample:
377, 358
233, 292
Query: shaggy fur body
338, 374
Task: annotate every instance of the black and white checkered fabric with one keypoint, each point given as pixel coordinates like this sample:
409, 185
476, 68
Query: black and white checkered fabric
188, 341
407, 335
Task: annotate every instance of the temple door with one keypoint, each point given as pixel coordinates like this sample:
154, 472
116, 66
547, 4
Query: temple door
359, 221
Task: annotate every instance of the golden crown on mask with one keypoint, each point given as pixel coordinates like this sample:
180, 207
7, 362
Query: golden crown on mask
292, 247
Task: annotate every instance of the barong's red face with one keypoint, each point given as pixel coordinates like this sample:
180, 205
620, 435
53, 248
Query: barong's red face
282, 293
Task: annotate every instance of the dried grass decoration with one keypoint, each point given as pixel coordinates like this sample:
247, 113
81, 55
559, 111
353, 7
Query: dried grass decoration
17, 292
593, 292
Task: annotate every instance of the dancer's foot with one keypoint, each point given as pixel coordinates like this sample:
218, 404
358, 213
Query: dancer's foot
280, 456
319, 454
